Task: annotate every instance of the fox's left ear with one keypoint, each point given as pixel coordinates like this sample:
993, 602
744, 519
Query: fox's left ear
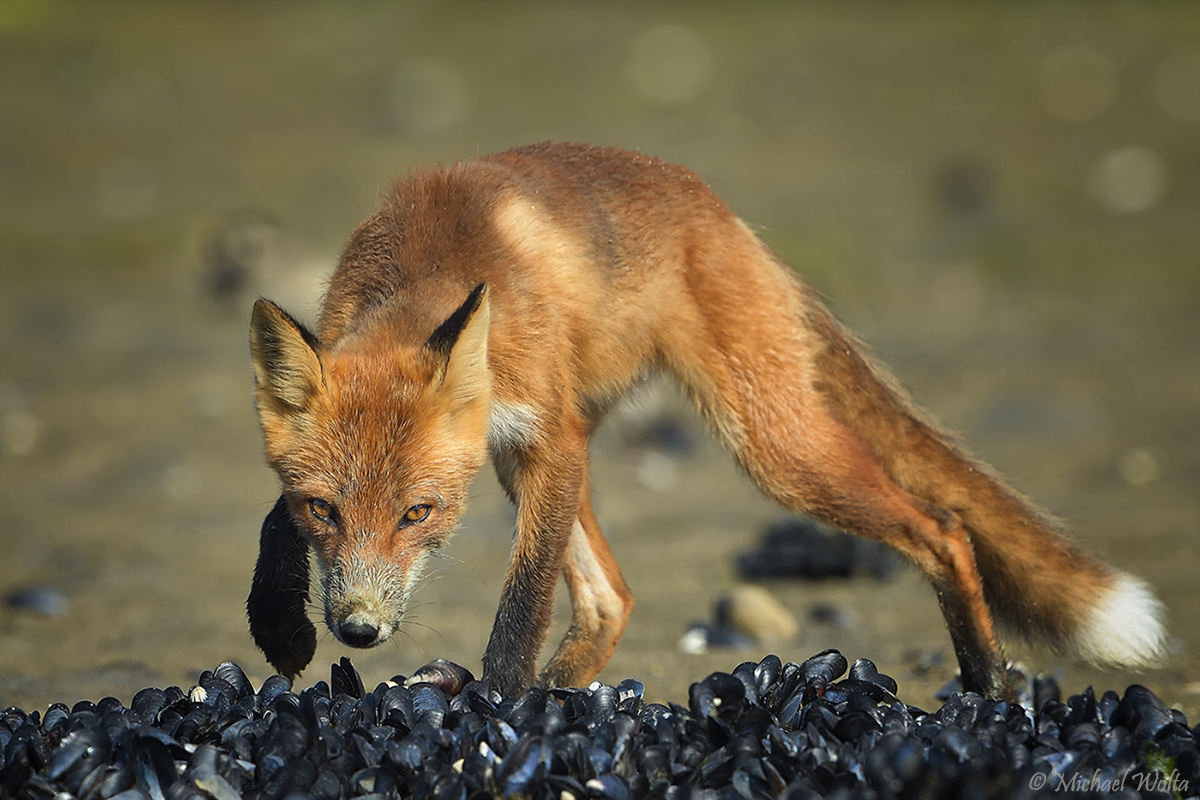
458, 350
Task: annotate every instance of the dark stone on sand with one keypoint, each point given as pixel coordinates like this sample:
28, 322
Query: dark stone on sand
804, 549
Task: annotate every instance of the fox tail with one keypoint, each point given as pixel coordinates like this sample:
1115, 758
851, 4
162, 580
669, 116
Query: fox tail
1036, 579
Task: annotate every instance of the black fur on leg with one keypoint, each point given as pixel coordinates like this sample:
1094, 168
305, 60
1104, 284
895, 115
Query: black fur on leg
279, 595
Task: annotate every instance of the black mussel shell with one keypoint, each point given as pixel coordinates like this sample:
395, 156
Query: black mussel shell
765, 729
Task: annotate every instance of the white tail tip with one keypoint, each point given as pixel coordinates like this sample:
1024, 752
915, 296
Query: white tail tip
1124, 628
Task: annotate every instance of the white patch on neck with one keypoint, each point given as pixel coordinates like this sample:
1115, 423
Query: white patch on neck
511, 425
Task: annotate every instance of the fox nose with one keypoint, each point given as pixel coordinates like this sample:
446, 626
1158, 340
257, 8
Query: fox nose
357, 633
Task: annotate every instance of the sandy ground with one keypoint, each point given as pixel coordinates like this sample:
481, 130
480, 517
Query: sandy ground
915, 166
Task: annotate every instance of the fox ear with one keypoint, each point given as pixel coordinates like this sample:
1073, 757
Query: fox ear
458, 349
287, 371
279, 595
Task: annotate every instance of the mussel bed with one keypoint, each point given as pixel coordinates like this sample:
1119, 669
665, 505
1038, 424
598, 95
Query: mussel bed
766, 729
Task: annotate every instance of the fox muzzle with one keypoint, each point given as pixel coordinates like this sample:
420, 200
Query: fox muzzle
365, 601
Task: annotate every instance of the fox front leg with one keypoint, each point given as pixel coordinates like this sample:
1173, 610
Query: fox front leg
545, 482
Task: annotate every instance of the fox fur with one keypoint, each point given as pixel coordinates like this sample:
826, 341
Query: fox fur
496, 309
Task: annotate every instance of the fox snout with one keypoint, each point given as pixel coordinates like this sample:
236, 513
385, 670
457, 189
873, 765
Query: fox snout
360, 629
364, 602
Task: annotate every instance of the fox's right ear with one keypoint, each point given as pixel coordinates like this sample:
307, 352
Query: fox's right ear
287, 370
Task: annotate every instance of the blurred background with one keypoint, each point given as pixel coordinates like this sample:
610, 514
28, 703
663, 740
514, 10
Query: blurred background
1003, 199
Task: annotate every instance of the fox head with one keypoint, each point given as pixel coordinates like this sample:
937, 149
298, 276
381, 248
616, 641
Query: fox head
375, 443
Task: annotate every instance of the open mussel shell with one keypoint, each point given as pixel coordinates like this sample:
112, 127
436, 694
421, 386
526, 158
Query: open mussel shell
344, 679
766, 729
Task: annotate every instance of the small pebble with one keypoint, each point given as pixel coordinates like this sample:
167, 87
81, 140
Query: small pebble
829, 614
757, 613
38, 599
803, 548
701, 637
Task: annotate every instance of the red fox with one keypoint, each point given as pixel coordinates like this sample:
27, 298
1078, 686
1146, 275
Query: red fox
498, 308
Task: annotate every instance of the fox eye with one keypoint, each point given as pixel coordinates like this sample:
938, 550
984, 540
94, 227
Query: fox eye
321, 509
418, 513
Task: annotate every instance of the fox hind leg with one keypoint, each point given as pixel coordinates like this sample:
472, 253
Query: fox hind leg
845, 485
749, 359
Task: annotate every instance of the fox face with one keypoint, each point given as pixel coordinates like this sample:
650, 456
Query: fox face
375, 443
